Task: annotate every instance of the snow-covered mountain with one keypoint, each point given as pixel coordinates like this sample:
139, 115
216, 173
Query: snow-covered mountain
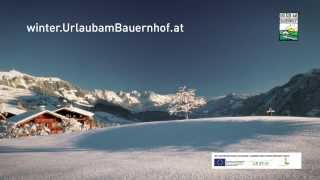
56, 87
134, 100
29, 92
46, 86
300, 96
223, 105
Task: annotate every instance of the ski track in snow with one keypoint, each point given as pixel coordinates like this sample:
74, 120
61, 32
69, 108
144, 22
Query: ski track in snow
164, 150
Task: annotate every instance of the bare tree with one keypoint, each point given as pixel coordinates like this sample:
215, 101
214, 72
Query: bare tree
185, 101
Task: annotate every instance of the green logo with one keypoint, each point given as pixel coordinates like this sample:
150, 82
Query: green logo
288, 27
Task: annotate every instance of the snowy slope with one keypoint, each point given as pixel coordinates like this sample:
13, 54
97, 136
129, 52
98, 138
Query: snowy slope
11, 94
166, 150
110, 119
18, 100
49, 86
9, 98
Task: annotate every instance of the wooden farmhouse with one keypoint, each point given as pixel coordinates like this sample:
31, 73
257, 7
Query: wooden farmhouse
52, 122
86, 118
39, 119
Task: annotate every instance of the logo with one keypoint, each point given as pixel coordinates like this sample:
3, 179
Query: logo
288, 27
219, 162
256, 160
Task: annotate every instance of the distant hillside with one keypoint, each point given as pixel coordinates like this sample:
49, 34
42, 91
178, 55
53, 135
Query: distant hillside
299, 97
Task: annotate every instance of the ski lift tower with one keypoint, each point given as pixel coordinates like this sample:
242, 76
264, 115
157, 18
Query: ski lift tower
270, 111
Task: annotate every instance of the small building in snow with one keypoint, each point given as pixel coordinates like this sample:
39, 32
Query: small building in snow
86, 118
43, 122
38, 120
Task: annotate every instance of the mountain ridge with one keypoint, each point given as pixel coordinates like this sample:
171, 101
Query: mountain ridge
65, 91
299, 96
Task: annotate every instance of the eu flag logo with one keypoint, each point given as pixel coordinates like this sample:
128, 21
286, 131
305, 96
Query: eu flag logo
219, 162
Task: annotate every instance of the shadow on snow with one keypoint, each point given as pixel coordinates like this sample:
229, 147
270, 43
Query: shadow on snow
192, 135
180, 136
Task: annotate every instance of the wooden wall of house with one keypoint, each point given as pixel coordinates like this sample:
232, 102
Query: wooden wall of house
70, 114
85, 120
48, 120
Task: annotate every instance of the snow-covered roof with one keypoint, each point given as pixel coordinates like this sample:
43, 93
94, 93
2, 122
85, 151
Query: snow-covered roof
77, 110
30, 115
13, 109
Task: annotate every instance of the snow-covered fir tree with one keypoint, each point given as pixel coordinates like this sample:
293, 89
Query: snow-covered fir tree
72, 125
185, 101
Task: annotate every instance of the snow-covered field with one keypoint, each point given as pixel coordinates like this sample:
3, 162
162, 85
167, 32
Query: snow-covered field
164, 150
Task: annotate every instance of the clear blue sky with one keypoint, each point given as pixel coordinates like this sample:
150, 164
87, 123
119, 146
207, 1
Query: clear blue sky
228, 46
